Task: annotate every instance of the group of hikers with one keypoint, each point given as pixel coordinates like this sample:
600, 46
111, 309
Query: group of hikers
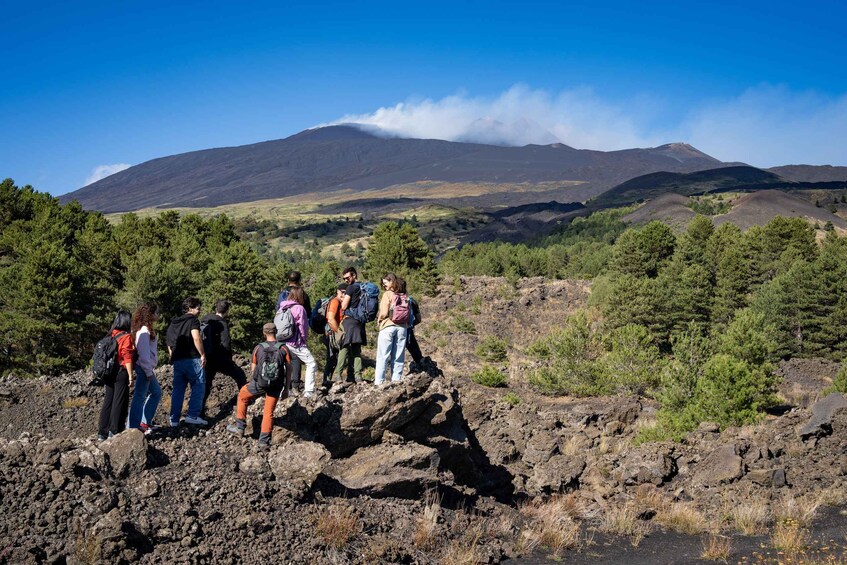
199, 349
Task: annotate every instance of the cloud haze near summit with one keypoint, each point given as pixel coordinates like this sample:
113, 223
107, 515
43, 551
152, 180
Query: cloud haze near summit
763, 126
102, 171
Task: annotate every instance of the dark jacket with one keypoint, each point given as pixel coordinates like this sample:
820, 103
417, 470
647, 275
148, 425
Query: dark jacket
179, 337
217, 334
283, 296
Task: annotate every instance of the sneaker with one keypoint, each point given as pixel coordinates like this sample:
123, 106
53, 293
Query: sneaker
308, 394
236, 429
101, 437
173, 424
147, 429
196, 421
264, 446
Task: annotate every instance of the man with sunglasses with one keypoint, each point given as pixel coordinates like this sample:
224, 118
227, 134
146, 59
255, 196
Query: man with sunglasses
352, 331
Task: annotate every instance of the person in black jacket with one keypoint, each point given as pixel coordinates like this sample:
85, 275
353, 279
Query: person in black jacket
185, 346
218, 346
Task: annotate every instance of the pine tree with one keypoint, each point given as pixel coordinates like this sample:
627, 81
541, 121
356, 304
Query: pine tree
732, 283
691, 248
399, 249
641, 252
59, 270
238, 274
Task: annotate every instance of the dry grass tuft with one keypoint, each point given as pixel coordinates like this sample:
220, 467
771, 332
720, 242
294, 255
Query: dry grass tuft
552, 524
465, 549
681, 517
425, 532
337, 525
648, 496
752, 517
790, 536
801, 509
75, 402
716, 548
573, 446
624, 521
833, 496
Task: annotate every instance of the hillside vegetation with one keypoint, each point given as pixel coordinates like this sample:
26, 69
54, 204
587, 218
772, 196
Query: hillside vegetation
695, 320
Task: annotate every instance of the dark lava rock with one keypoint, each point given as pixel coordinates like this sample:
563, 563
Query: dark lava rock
820, 424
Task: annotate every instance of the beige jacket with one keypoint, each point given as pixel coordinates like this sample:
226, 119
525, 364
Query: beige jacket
383, 315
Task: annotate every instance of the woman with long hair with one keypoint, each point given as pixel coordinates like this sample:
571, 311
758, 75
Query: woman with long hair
392, 319
116, 400
296, 344
148, 392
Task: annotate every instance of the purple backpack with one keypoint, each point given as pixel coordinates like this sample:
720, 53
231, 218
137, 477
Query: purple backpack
400, 311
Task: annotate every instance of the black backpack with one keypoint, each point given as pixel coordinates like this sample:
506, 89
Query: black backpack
105, 361
317, 322
272, 368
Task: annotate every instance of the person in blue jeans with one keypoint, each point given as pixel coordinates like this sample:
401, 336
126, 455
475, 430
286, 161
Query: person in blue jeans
185, 345
147, 393
391, 342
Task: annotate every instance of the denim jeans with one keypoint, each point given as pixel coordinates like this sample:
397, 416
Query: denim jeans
390, 353
145, 399
187, 372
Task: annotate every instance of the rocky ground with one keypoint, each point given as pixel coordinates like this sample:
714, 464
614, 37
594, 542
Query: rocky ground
434, 469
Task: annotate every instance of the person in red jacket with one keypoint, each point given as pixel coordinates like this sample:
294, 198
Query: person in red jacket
116, 400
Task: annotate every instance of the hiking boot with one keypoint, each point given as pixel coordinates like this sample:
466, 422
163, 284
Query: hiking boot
196, 421
414, 368
264, 441
236, 428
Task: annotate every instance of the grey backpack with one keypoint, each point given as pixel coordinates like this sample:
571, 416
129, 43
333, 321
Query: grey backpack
286, 328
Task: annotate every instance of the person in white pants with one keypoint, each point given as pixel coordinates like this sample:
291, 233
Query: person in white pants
296, 343
392, 320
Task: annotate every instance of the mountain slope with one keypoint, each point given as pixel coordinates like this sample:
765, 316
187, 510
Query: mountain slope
760, 207
346, 157
811, 173
651, 186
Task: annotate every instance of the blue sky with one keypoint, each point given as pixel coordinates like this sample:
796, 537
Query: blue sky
97, 84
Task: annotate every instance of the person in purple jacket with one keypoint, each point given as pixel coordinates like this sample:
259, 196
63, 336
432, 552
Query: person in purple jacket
297, 343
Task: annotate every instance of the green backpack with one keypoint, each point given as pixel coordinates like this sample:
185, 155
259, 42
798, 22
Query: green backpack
272, 367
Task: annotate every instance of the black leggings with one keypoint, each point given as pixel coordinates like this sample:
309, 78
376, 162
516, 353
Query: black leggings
296, 367
228, 368
115, 404
412, 345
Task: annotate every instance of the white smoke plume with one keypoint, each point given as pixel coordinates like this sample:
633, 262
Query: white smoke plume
764, 126
102, 171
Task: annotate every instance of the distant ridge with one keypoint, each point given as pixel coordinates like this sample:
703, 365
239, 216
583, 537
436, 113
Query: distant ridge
346, 157
811, 173
760, 207
754, 209
652, 185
